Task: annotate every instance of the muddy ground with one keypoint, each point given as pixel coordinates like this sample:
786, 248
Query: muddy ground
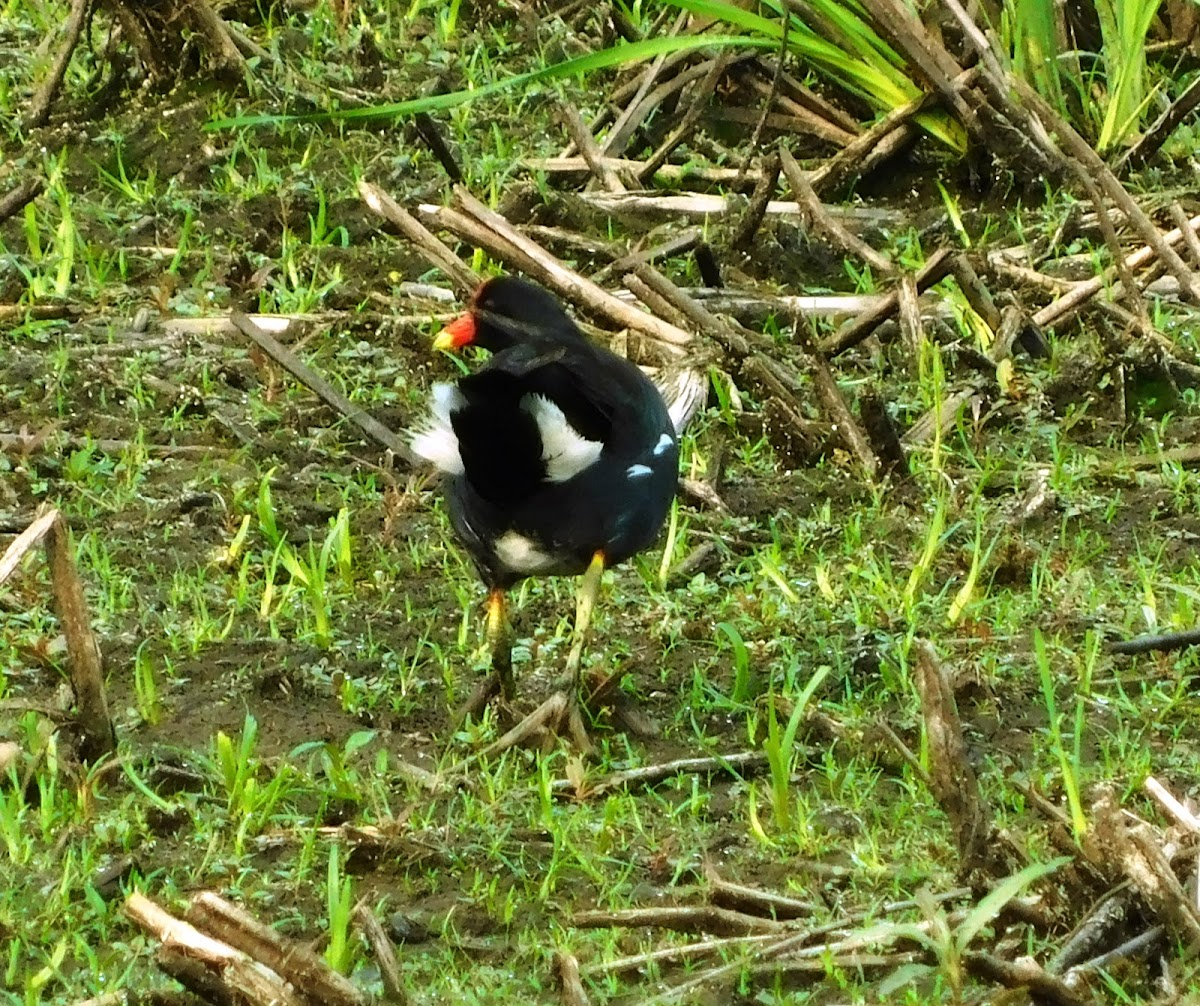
157, 445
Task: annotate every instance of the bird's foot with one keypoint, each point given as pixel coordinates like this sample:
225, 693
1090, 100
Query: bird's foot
560, 715
485, 691
563, 716
544, 723
499, 680
571, 722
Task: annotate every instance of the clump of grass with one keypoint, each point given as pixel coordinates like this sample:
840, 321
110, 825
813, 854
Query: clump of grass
1118, 75
145, 686
838, 41
1070, 760
48, 268
782, 754
743, 686
950, 943
339, 903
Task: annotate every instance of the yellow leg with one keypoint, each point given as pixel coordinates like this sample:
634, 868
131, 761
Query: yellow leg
499, 646
585, 601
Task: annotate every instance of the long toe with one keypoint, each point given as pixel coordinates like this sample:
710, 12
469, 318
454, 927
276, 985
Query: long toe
573, 724
487, 688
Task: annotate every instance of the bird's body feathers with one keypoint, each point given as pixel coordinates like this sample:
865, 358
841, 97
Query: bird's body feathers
554, 450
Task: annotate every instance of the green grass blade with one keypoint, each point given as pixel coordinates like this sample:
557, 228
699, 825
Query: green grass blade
873, 71
632, 52
993, 903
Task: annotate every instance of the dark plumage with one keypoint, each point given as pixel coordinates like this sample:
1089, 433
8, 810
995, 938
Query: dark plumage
558, 441
561, 456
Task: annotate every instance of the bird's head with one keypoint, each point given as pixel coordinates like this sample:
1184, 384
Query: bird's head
504, 311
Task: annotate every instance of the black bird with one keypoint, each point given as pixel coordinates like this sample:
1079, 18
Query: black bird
562, 458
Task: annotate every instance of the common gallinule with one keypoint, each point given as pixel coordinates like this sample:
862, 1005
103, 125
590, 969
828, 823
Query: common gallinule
561, 457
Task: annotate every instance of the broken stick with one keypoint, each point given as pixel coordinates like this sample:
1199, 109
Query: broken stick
308, 972
83, 652
807, 197
303, 373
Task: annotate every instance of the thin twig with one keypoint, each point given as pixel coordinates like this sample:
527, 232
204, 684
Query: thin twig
772, 94
1066, 305
1160, 131
39, 106
696, 107
826, 224
1109, 232
682, 919
751, 899
432, 137
24, 444
17, 197
734, 764
585, 142
324, 390
834, 405
760, 199
1160, 643
1180, 219
1170, 803
672, 172
548, 713
25, 542
569, 283
381, 203
890, 132
384, 953
851, 334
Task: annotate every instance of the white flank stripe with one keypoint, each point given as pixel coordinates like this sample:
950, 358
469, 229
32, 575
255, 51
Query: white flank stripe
521, 554
434, 438
565, 451
664, 442
638, 471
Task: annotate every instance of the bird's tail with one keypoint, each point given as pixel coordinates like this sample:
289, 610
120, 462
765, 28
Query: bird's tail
433, 437
685, 392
